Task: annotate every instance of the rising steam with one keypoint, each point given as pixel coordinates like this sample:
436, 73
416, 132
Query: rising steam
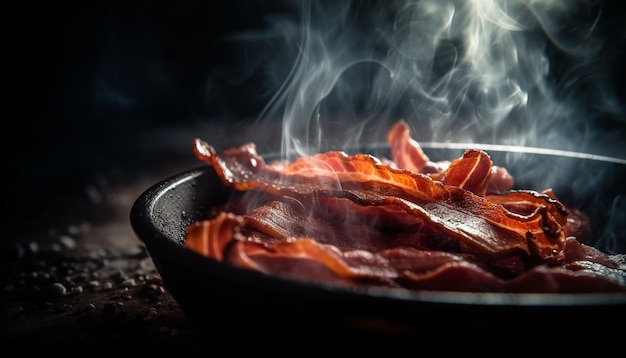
528, 73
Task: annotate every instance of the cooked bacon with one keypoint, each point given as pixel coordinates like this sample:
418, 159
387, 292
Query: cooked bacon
517, 201
330, 222
470, 172
359, 220
578, 224
211, 238
479, 226
406, 153
307, 259
546, 279
500, 180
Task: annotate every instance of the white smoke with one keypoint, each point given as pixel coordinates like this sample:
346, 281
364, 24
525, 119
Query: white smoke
527, 73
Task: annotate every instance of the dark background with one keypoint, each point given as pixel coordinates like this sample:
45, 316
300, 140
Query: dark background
118, 89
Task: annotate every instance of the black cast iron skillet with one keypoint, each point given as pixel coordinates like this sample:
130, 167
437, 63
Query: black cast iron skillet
224, 300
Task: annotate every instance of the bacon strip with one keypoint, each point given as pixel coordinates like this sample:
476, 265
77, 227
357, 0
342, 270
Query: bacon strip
470, 172
309, 260
345, 225
406, 153
479, 226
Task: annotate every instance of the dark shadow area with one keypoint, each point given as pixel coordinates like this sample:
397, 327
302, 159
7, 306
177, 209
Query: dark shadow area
115, 83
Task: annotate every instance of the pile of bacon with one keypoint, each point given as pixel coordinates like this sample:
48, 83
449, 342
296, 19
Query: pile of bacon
402, 222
